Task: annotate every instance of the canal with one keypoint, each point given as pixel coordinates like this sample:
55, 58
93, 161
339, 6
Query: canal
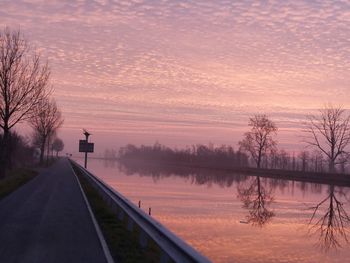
239, 218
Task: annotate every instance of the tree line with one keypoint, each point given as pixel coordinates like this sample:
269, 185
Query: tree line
326, 138
327, 133
25, 96
196, 154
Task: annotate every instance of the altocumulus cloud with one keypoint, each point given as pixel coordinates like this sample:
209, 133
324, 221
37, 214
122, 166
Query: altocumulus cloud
172, 65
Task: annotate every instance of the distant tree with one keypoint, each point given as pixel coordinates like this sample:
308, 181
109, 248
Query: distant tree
317, 159
294, 163
304, 157
213, 156
272, 159
284, 159
343, 160
45, 122
330, 133
23, 84
57, 145
260, 139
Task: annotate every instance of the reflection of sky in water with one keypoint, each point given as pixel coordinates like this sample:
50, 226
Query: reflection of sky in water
208, 216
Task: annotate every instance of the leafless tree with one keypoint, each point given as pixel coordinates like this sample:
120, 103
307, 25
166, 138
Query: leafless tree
317, 159
57, 145
343, 160
46, 120
23, 84
331, 223
259, 140
294, 163
256, 198
304, 157
330, 133
284, 159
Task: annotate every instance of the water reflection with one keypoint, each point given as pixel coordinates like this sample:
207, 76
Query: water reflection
329, 221
257, 199
194, 175
107, 163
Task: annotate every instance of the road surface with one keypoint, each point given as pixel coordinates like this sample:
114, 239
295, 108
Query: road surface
47, 220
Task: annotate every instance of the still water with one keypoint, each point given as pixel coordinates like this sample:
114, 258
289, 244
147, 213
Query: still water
238, 218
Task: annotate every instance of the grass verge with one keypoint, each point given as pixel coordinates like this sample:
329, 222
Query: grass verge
123, 244
14, 180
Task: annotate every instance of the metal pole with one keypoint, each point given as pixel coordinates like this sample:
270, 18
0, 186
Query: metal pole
85, 164
87, 138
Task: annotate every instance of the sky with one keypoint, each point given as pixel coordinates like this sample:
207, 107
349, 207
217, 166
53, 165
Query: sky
187, 72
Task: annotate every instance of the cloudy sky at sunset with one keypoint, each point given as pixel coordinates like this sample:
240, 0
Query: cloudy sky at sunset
184, 72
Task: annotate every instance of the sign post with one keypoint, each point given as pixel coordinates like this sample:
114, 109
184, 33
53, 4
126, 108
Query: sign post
85, 146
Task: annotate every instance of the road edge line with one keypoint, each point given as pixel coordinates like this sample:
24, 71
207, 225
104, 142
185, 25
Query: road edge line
101, 238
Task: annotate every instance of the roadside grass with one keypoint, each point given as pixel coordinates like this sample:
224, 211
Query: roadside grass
15, 179
123, 244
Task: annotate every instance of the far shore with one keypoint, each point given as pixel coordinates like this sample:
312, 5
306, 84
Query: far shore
311, 177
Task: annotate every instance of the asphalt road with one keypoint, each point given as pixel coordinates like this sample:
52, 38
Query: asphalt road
46, 220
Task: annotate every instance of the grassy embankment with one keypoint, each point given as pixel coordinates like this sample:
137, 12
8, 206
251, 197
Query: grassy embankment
15, 179
123, 244
20, 176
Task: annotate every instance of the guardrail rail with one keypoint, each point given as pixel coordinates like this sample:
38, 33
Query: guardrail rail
172, 247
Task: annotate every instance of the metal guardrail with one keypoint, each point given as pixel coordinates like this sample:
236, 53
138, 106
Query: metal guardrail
173, 248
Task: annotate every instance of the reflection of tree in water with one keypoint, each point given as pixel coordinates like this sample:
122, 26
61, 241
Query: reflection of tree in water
209, 177
195, 176
256, 198
330, 221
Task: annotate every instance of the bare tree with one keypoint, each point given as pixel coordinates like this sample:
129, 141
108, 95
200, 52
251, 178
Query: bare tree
330, 133
57, 145
317, 159
284, 159
343, 160
304, 157
23, 84
46, 120
260, 139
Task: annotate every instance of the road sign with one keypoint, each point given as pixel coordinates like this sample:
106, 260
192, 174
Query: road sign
85, 146
90, 147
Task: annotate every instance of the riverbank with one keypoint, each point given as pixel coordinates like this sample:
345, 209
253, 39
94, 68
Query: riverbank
311, 177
